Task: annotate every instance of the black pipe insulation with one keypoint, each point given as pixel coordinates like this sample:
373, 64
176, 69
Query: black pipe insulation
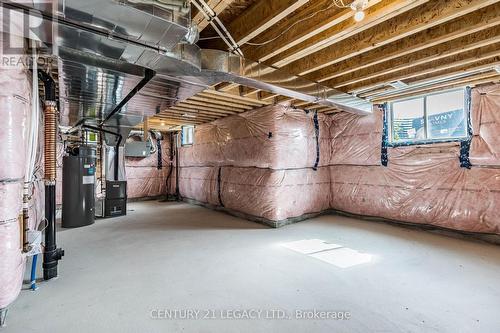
51, 254
49, 85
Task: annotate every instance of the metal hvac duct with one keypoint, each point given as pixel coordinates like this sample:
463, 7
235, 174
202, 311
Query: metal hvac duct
106, 44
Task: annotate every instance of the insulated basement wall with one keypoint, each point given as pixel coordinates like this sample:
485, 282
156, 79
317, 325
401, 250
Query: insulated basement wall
261, 163
15, 104
424, 184
144, 178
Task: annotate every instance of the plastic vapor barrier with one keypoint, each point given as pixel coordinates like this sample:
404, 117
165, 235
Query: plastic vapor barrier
485, 147
15, 97
278, 163
274, 137
144, 179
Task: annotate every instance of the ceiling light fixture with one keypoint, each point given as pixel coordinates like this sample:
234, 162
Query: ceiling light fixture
359, 6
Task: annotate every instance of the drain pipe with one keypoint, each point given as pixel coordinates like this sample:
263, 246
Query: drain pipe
51, 254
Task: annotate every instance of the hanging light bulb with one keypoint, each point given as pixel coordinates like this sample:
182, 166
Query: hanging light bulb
359, 15
358, 6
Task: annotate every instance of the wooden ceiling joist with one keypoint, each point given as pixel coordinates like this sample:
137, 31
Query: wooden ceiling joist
191, 114
479, 79
431, 67
480, 66
218, 6
376, 14
418, 19
453, 47
212, 106
267, 96
261, 16
179, 120
468, 24
189, 105
196, 110
235, 97
249, 102
217, 103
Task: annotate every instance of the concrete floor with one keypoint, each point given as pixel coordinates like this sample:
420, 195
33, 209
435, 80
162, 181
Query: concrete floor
171, 256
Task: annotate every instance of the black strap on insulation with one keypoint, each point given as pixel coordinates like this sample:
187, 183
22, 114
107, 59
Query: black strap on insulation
465, 144
316, 131
219, 177
384, 156
160, 158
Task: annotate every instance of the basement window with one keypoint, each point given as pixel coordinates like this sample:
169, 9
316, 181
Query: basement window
187, 135
438, 117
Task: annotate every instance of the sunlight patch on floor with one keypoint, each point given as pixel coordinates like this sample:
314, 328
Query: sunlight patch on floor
333, 254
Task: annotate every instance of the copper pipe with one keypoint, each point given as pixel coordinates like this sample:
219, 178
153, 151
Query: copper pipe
50, 140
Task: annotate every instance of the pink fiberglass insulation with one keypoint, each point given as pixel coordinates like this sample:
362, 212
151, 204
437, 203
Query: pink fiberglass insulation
421, 186
275, 194
144, 179
199, 183
272, 194
14, 105
260, 163
485, 147
274, 137
355, 140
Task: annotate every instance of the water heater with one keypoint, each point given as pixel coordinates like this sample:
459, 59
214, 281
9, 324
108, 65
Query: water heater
78, 197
